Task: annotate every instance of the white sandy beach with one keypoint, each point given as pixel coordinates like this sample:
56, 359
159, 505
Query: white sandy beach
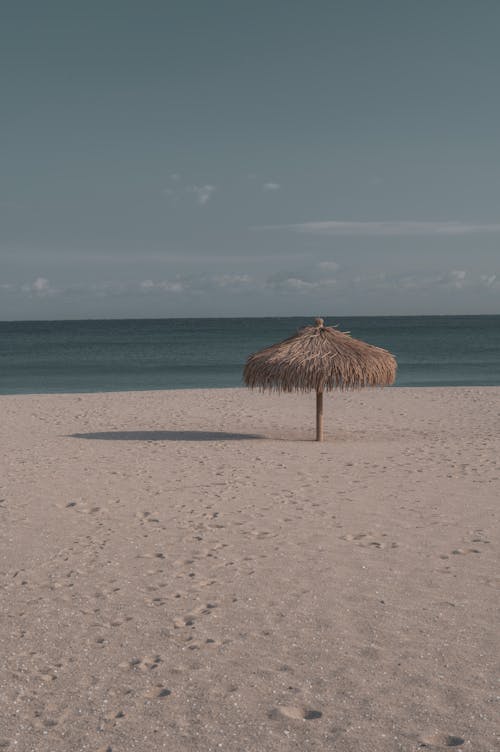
189, 571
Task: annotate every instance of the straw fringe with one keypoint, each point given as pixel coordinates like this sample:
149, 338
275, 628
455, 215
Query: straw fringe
319, 358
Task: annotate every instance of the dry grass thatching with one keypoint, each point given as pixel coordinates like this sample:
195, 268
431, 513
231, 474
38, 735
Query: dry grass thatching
319, 358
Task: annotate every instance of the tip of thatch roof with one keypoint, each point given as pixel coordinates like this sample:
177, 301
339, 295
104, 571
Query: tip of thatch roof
319, 358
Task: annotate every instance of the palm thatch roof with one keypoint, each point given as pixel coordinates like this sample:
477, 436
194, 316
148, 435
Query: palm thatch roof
319, 358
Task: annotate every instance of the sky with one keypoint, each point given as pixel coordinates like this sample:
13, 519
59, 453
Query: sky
232, 158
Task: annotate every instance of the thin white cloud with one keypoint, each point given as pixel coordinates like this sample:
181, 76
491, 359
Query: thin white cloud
201, 284
488, 280
270, 186
203, 193
232, 280
299, 285
148, 285
457, 278
40, 287
330, 266
386, 229
119, 288
320, 282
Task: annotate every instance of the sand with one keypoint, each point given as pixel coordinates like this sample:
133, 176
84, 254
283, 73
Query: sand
187, 570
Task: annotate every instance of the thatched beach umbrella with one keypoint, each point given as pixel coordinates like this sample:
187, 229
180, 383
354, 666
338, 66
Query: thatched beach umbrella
319, 358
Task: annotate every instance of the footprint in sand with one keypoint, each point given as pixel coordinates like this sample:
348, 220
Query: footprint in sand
184, 621
493, 582
465, 551
157, 692
479, 536
295, 713
441, 741
113, 717
189, 619
143, 664
368, 540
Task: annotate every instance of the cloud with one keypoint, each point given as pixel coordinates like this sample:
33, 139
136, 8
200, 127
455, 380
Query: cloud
488, 280
148, 285
271, 186
41, 287
297, 284
330, 266
294, 283
450, 281
386, 229
232, 280
171, 192
122, 288
228, 283
203, 193
457, 278
324, 281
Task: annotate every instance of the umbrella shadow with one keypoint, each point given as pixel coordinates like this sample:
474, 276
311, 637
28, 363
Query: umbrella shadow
166, 436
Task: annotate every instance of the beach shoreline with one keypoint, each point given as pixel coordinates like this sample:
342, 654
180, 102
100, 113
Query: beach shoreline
190, 570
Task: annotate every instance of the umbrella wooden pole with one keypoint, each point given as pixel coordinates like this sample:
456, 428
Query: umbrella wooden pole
319, 416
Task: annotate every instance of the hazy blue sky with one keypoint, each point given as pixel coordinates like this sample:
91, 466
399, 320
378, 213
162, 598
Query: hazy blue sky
211, 157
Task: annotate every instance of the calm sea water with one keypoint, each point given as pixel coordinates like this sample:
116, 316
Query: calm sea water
114, 355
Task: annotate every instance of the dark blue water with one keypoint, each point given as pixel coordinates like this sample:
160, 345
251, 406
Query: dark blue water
114, 355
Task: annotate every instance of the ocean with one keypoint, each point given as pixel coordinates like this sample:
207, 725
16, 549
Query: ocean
44, 357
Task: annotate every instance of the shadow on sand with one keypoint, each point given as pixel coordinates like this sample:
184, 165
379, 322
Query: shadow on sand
166, 436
